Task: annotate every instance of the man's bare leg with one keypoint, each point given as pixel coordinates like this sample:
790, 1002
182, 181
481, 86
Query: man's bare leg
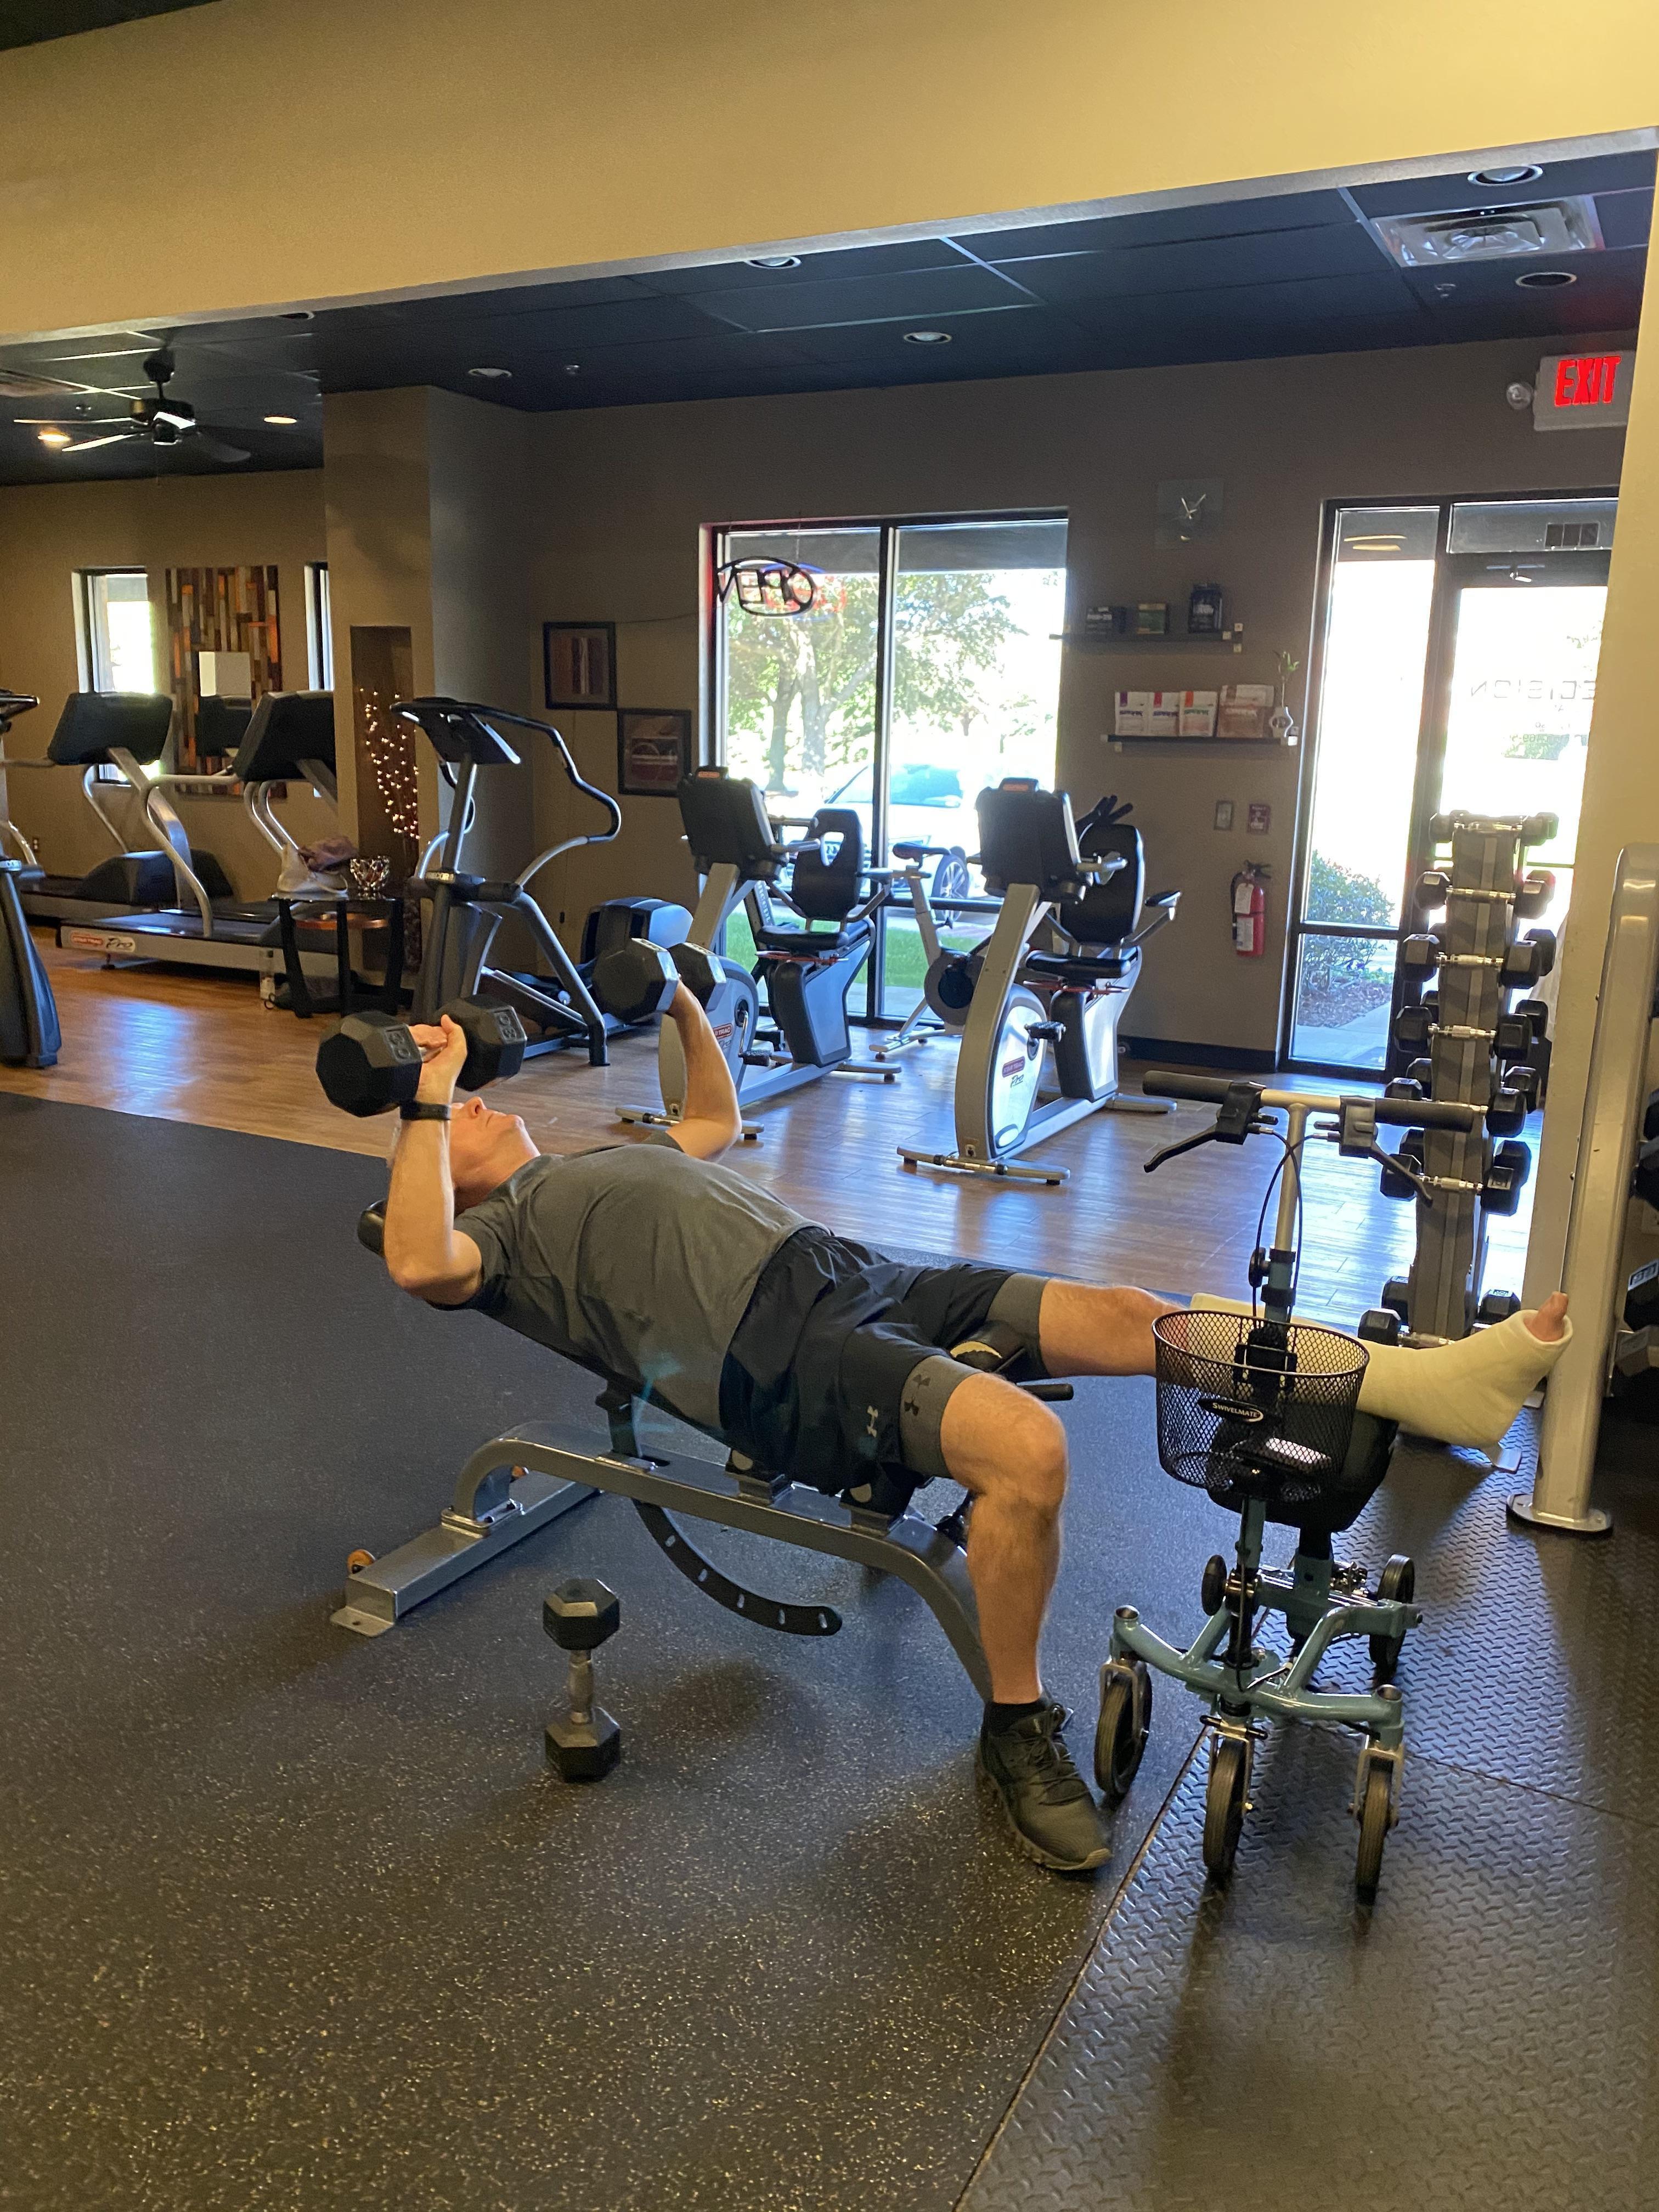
1009, 1451
1087, 1328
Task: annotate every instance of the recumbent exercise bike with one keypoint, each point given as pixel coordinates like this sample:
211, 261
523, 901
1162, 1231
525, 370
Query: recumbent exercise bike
1054, 978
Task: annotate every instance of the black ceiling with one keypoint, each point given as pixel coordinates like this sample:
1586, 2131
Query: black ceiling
1246, 279
31, 22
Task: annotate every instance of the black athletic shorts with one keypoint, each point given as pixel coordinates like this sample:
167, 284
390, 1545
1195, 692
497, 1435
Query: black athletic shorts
813, 1385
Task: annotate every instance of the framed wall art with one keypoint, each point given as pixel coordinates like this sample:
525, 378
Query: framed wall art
653, 751
579, 663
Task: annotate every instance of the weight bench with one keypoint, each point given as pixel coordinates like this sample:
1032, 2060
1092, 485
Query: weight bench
530, 1475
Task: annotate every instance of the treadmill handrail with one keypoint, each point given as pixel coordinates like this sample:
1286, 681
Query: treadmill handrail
162, 818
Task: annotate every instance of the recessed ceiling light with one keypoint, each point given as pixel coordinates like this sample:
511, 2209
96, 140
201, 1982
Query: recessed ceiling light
773, 261
928, 337
1525, 174
572, 368
54, 437
1546, 279
301, 315
282, 422
489, 371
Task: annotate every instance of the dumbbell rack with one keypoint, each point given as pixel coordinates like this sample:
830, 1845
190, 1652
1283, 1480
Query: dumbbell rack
1465, 1039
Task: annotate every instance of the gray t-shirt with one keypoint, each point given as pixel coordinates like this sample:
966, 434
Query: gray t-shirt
635, 1260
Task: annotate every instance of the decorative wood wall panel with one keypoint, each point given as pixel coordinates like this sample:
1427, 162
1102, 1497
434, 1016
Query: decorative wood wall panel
219, 610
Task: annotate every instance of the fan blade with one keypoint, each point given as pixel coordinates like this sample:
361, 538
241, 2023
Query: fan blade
210, 441
91, 444
73, 423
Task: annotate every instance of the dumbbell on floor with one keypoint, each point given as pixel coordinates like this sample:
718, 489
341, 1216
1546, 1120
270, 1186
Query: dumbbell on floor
639, 979
583, 1742
372, 1062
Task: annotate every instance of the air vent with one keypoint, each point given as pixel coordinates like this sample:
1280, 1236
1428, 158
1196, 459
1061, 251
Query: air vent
18, 384
1572, 536
1444, 241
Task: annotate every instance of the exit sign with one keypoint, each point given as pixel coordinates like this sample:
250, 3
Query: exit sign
1583, 392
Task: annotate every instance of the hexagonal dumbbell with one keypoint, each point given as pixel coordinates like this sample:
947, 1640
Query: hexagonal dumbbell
1429, 894
1410, 1026
372, 1062
1392, 1182
638, 979
1529, 960
1506, 1176
583, 1742
1533, 894
1506, 1114
1419, 956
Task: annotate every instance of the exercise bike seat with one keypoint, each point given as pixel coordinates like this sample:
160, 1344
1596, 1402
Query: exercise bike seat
1107, 912
824, 884
1109, 965
818, 944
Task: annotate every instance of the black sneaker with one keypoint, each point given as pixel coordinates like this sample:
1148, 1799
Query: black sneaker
1055, 1819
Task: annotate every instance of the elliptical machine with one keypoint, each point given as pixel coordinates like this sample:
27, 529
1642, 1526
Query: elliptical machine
1055, 974
805, 973
463, 912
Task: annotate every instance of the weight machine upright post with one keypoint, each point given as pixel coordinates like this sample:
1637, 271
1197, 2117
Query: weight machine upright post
1559, 1497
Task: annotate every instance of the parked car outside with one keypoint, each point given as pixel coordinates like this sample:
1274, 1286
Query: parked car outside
925, 805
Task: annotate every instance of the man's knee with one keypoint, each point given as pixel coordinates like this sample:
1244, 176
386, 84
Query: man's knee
1035, 1456
997, 1440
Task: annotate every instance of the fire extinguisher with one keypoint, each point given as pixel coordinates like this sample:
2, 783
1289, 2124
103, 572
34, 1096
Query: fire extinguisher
1250, 912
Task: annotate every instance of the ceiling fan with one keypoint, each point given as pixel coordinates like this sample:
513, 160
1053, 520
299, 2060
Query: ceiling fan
162, 421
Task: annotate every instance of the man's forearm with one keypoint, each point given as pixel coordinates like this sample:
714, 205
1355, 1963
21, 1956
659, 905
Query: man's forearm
420, 1243
711, 1096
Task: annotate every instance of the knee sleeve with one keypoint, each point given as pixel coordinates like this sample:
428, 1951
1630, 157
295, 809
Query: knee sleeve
927, 1389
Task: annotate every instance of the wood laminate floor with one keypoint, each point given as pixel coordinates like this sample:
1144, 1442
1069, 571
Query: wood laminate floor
182, 1046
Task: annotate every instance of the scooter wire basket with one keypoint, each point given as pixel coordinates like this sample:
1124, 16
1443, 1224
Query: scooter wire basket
1256, 1409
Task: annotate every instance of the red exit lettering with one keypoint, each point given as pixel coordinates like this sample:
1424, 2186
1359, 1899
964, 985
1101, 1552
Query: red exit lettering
1586, 381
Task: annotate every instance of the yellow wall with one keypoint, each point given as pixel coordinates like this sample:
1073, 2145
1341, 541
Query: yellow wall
625, 490
409, 142
49, 531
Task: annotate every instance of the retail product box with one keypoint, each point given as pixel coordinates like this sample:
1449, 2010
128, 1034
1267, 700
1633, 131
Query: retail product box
1130, 719
1243, 710
1198, 714
1164, 714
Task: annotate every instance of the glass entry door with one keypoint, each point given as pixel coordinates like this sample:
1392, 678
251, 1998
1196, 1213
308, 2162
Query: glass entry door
1459, 655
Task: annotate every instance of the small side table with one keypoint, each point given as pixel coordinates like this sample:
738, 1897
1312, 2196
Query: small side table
372, 915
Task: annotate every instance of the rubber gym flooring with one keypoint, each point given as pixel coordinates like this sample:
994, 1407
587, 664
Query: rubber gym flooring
289, 1918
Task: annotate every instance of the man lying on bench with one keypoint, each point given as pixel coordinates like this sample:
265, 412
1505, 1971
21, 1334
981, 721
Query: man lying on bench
823, 1360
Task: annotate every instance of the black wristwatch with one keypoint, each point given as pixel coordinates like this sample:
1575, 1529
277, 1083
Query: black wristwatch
425, 1109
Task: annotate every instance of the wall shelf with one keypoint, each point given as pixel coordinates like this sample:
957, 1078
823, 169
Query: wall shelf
1127, 637
1226, 744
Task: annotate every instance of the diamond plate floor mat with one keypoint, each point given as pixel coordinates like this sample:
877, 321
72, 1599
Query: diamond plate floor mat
1484, 2035
1534, 1663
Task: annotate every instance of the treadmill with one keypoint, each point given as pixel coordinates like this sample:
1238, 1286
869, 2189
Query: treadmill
200, 929
93, 730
